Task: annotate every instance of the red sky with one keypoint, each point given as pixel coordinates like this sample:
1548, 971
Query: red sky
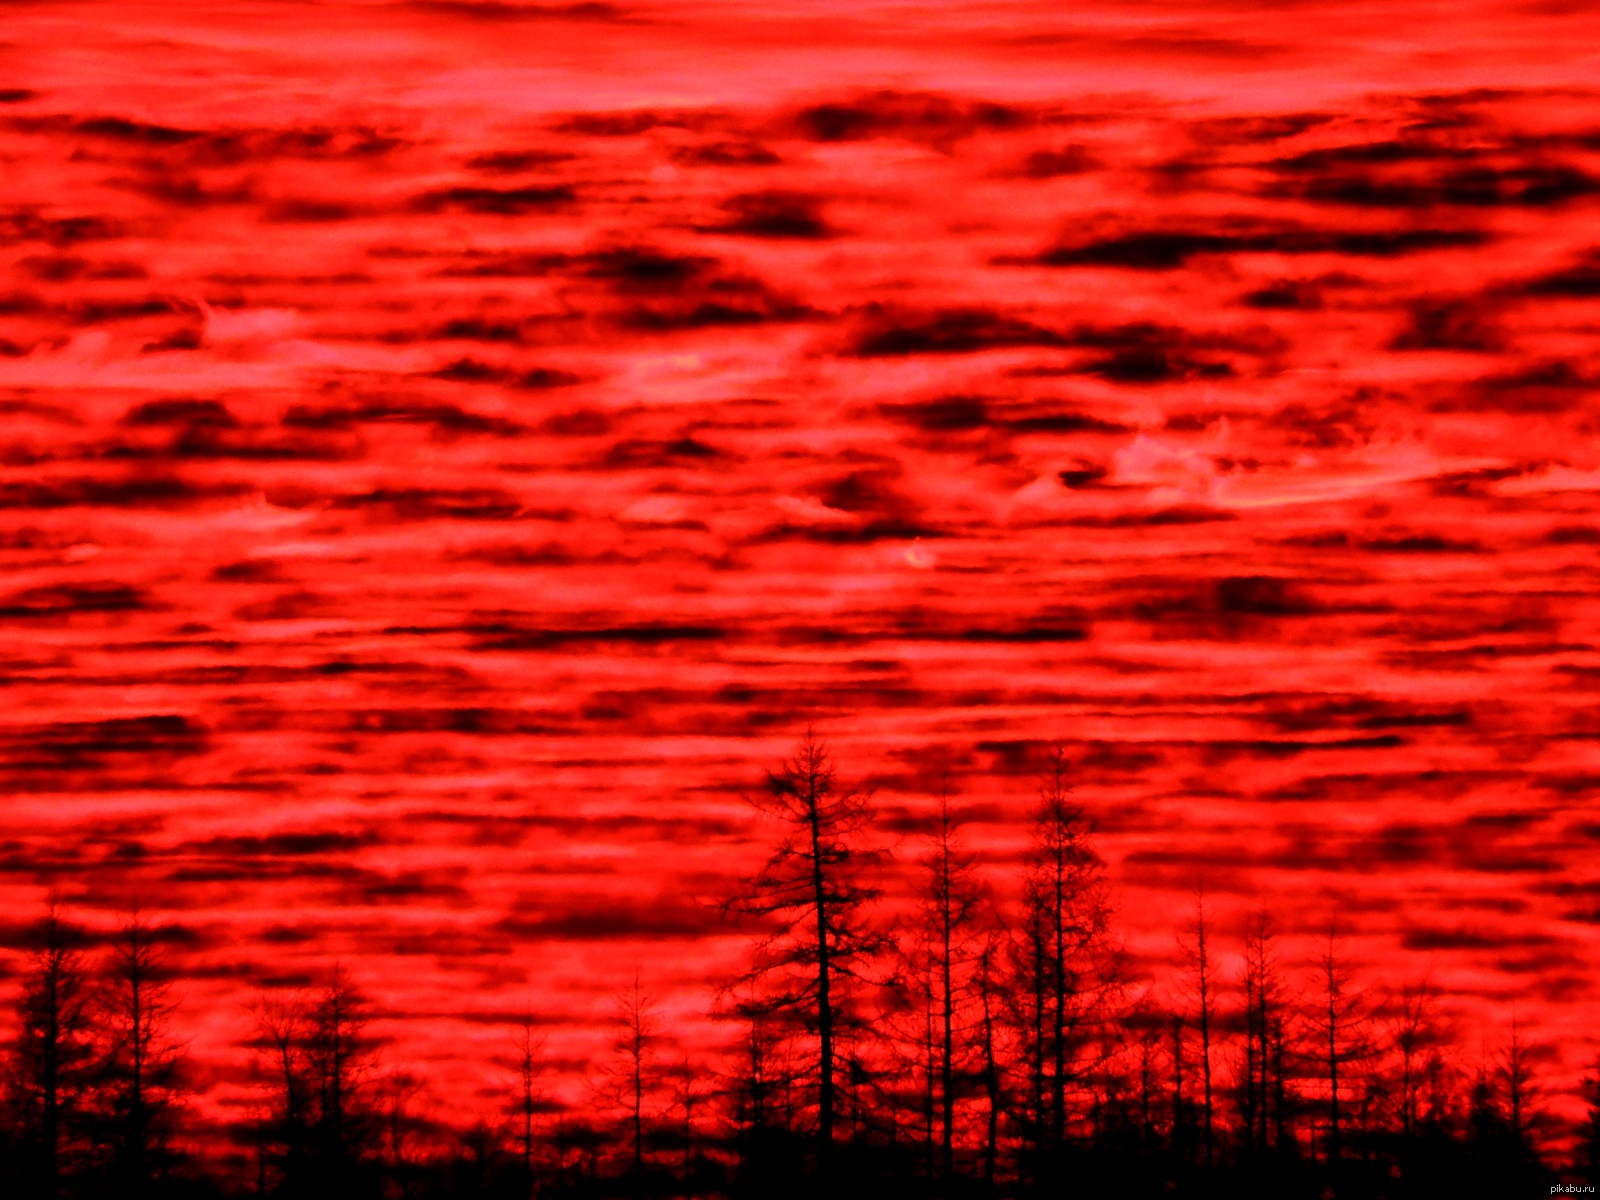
450, 449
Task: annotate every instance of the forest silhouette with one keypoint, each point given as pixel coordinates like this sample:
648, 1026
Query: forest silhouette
990, 1040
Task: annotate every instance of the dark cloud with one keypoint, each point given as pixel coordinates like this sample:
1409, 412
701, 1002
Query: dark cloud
1422, 720
23, 225
67, 599
1167, 250
775, 215
478, 329
1255, 129
495, 201
510, 162
662, 291
921, 117
1148, 251
472, 370
531, 265
242, 147
548, 554
1470, 939
297, 604
209, 442
1261, 595
1178, 514
1149, 365
645, 269
945, 414
541, 378
96, 745
953, 331
309, 210
421, 504
1581, 281
1027, 635
447, 418
1421, 173
147, 492
249, 570
1422, 543
1451, 324
628, 123
503, 11
1042, 418
583, 422
885, 529
726, 154
605, 919
181, 410
640, 452
1540, 387
1574, 535
1051, 164
122, 130
1289, 294
517, 637
727, 302
277, 845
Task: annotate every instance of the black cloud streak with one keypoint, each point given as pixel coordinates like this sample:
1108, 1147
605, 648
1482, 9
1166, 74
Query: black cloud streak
1166, 250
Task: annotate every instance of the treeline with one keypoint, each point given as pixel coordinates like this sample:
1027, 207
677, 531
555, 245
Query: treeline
991, 1040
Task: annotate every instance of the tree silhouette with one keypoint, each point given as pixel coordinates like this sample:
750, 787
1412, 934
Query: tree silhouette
340, 1057
1342, 1019
688, 1098
1019, 1008
280, 1042
1201, 985
1417, 1038
529, 1047
53, 1056
399, 1090
636, 1032
812, 900
142, 1065
1066, 965
986, 983
1588, 1156
1265, 1099
951, 903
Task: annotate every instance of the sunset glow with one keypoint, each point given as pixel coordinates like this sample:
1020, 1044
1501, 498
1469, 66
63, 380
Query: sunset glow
451, 451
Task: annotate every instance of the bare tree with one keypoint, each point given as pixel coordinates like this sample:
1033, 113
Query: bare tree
340, 1058
281, 1042
813, 902
529, 1046
687, 1099
142, 1069
986, 981
1588, 1158
1342, 1020
1527, 1122
636, 1032
1201, 984
1180, 1102
1418, 1039
1264, 1101
1146, 1022
398, 1092
951, 904
53, 1055
1068, 967
761, 1093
